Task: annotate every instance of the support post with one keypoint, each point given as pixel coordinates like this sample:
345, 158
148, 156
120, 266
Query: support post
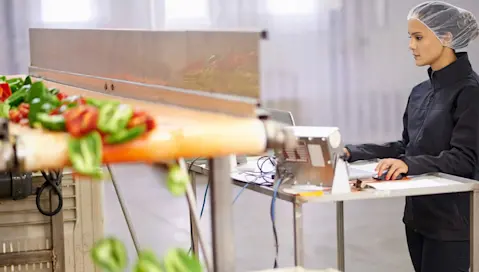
222, 214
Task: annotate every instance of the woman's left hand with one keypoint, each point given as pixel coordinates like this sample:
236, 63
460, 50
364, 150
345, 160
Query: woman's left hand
393, 166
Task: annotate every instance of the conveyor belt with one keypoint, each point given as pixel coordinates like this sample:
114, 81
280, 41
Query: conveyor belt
179, 133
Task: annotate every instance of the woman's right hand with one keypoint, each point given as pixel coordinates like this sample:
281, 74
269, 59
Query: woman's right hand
346, 153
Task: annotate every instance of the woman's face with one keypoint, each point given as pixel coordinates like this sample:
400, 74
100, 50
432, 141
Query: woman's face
425, 46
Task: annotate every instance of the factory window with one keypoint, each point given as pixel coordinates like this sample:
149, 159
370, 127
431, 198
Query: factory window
187, 14
288, 7
67, 11
303, 7
186, 9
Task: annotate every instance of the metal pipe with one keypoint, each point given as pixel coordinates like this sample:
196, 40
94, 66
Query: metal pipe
474, 239
190, 195
222, 214
298, 234
340, 234
193, 227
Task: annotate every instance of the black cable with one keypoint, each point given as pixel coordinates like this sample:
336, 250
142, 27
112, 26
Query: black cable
192, 163
53, 179
273, 221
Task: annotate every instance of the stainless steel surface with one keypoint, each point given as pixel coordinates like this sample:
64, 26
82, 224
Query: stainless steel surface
186, 68
222, 215
190, 195
279, 136
466, 185
281, 116
463, 185
124, 210
340, 235
193, 226
474, 224
219, 61
312, 161
298, 234
240, 106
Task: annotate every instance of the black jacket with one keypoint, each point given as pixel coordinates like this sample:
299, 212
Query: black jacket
441, 134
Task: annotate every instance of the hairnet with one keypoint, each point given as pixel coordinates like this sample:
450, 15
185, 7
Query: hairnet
453, 26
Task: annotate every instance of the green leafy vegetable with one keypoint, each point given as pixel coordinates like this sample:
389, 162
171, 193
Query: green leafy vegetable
86, 154
177, 180
110, 255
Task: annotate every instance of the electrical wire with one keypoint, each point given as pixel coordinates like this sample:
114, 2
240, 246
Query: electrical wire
273, 220
257, 176
53, 179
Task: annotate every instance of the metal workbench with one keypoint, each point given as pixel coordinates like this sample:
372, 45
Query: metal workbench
463, 185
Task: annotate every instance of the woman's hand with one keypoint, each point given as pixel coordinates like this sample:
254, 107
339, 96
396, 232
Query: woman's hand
393, 166
346, 153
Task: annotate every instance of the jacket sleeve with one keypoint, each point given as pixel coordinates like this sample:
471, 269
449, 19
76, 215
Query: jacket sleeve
376, 151
460, 159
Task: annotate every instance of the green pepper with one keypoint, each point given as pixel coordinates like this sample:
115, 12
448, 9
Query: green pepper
113, 117
177, 180
3, 78
147, 262
37, 90
4, 110
125, 135
27, 81
35, 108
51, 122
14, 80
110, 255
54, 91
177, 260
19, 96
100, 103
15, 84
53, 100
86, 154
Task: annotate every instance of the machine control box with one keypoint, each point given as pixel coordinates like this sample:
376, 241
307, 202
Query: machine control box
15, 186
312, 162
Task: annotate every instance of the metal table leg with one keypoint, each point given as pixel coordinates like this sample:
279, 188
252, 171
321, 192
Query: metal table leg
298, 234
222, 215
340, 234
194, 234
474, 239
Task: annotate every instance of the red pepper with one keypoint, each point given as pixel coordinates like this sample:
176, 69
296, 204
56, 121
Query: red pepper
59, 110
61, 96
81, 101
140, 118
81, 120
6, 91
15, 115
24, 109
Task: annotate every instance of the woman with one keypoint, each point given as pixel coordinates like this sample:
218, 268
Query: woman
441, 134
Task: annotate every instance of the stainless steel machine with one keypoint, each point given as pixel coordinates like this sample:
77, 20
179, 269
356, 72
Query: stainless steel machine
313, 162
205, 71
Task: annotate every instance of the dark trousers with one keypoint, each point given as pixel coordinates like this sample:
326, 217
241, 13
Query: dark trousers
429, 255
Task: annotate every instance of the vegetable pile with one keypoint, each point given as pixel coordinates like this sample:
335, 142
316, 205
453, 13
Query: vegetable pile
110, 255
91, 123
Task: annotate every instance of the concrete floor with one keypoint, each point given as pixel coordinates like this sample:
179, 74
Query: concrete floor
374, 232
